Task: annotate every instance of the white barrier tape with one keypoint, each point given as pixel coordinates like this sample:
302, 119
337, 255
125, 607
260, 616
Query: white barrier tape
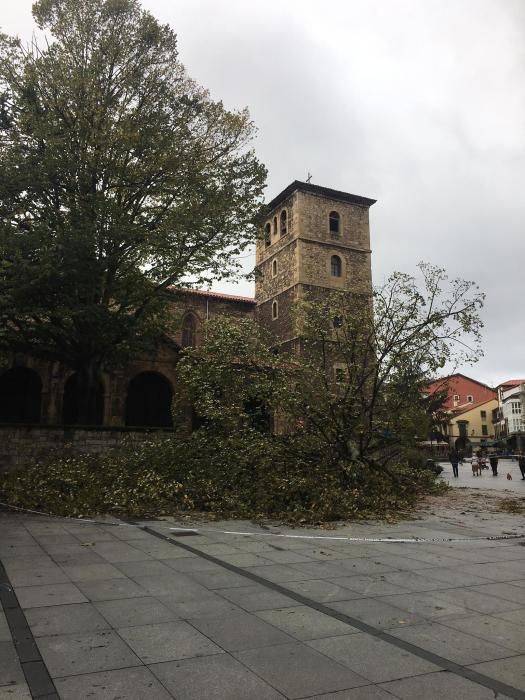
402, 540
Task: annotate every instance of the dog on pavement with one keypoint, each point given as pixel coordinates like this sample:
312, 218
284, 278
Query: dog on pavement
509, 476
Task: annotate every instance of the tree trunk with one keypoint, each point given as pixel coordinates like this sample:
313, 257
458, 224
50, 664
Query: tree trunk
89, 394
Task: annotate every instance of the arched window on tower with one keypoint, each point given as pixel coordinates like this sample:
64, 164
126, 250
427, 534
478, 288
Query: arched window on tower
284, 223
267, 235
20, 396
275, 310
274, 268
274, 225
334, 224
189, 331
336, 266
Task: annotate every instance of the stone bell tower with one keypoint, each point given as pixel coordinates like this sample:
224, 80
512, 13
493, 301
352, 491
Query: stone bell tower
314, 239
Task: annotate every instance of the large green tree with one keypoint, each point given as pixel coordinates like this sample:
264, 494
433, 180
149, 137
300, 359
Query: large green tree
121, 179
353, 395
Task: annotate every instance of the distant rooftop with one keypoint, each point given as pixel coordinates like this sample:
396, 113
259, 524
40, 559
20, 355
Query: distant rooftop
512, 382
297, 185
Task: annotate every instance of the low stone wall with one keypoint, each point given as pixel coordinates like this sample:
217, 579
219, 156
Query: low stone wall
21, 445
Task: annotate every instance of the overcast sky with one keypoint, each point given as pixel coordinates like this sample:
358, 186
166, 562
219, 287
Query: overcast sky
419, 104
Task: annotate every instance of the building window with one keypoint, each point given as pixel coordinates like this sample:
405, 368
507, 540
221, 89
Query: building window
516, 407
189, 331
484, 430
267, 235
336, 266
483, 415
275, 310
284, 223
456, 397
470, 398
339, 375
334, 224
274, 268
274, 225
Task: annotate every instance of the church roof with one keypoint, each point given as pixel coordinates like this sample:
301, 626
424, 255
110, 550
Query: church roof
298, 186
217, 295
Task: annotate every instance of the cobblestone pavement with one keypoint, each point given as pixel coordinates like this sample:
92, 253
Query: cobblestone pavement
105, 612
487, 481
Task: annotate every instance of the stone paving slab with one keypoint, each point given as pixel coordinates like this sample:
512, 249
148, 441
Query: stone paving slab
296, 671
368, 692
167, 641
72, 654
372, 658
111, 589
452, 644
240, 631
304, 623
65, 619
130, 612
214, 678
10, 669
510, 670
436, 686
48, 595
19, 691
136, 682
491, 629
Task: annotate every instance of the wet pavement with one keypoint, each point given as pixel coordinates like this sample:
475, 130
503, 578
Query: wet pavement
103, 612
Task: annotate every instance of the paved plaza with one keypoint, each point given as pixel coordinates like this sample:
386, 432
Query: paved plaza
487, 481
113, 612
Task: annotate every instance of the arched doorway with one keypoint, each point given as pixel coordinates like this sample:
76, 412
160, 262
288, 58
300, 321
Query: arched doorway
71, 403
148, 403
20, 396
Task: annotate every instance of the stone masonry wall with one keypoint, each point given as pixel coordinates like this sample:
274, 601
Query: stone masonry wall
313, 214
268, 285
315, 267
23, 445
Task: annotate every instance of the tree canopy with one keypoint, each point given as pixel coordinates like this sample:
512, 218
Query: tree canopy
121, 179
354, 393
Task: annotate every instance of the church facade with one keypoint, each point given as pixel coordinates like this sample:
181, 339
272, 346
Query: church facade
313, 239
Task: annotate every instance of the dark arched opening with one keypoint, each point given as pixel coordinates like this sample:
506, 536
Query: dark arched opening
334, 224
336, 266
71, 403
20, 396
148, 403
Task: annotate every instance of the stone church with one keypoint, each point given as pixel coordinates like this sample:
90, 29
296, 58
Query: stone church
313, 239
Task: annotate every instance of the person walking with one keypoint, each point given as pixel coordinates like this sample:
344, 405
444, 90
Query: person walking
454, 461
521, 464
493, 459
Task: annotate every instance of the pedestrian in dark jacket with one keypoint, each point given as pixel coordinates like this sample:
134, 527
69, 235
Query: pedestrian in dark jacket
493, 459
454, 461
521, 464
